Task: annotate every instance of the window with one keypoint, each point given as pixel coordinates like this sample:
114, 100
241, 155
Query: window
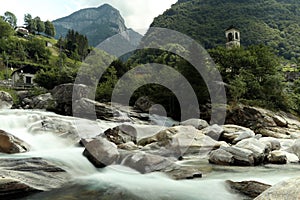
236, 36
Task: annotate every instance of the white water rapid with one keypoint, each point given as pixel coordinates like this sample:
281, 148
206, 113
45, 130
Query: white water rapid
45, 142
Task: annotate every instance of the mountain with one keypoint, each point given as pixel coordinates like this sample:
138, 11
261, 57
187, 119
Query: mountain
275, 23
97, 24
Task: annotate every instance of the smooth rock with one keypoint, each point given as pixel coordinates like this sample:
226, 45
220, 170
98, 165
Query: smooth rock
6, 100
295, 148
258, 149
242, 157
10, 144
122, 134
101, 153
249, 188
277, 157
221, 157
271, 143
280, 121
233, 133
146, 163
213, 131
197, 123
288, 189
43, 101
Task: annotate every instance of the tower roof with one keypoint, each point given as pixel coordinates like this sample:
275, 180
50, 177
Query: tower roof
231, 27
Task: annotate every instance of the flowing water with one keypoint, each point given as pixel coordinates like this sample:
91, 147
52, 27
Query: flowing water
91, 183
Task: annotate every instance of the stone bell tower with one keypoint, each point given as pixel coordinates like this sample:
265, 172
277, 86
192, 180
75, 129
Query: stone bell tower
233, 37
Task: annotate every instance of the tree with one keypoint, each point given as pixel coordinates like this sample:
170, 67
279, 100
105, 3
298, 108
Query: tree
10, 18
5, 29
30, 23
49, 29
40, 25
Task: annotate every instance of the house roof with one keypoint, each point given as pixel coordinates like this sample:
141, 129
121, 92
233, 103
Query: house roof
28, 69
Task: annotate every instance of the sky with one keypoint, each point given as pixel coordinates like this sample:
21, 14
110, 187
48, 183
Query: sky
138, 14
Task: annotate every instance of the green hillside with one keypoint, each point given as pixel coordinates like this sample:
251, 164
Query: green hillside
274, 23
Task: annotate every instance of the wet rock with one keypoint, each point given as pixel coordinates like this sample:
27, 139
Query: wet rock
10, 144
221, 157
197, 123
121, 134
288, 189
24, 176
242, 157
6, 100
146, 163
233, 133
213, 131
181, 140
43, 101
277, 157
258, 149
143, 104
101, 153
249, 188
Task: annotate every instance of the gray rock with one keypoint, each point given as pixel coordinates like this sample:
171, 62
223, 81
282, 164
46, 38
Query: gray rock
221, 157
22, 177
233, 133
197, 123
280, 121
43, 101
122, 134
101, 153
258, 149
277, 157
6, 100
213, 131
249, 188
295, 148
146, 163
242, 157
10, 144
288, 189
143, 104
271, 143
130, 146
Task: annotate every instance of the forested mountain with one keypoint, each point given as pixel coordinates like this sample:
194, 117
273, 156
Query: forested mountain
97, 24
274, 23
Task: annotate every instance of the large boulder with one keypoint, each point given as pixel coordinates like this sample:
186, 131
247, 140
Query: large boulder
6, 100
146, 163
23, 176
288, 189
277, 157
43, 101
295, 148
101, 153
197, 123
143, 104
122, 134
233, 133
181, 140
248, 188
271, 143
213, 131
232, 156
10, 144
258, 149
66, 94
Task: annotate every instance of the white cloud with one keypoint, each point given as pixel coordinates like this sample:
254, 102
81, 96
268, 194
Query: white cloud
138, 14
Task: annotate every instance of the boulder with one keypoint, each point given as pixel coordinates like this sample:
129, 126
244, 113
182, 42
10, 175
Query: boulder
101, 153
288, 189
271, 143
146, 163
277, 157
43, 101
129, 146
143, 104
23, 176
233, 133
122, 134
295, 148
221, 157
6, 100
258, 149
248, 188
181, 140
10, 144
280, 121
197, 123
66, 94
213, 131
241, 156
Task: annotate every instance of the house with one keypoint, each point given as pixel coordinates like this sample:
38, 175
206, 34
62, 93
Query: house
22, 31
24, 76
233, 37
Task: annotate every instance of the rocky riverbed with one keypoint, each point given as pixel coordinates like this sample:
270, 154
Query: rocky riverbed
43, 152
